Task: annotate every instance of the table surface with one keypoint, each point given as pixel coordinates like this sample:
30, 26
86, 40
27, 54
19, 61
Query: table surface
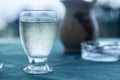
66, 66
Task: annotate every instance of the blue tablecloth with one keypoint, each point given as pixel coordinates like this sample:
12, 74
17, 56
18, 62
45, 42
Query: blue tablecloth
66, 66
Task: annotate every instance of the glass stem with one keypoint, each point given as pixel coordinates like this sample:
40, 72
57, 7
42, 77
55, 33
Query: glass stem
37, 61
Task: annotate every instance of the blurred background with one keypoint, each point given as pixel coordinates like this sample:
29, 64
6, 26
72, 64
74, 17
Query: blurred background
107, 14
106, 11
10, 9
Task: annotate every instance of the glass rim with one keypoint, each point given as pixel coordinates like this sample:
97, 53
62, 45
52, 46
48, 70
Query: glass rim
23, 11
33, 18
37, 10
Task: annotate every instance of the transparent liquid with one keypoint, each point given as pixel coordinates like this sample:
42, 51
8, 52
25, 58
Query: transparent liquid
106, 50
37, 37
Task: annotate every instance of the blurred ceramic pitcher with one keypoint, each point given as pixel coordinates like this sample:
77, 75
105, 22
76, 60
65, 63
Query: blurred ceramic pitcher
77, 25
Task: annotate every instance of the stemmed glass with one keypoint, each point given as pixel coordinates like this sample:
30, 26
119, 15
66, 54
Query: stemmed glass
37, 34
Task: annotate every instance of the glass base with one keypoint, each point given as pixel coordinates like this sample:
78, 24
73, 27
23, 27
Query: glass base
1, 65
32, 69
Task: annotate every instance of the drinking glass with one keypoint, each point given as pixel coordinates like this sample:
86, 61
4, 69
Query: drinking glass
106, 48
37, 34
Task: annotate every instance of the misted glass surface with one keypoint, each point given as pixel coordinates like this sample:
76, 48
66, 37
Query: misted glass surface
37, 33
